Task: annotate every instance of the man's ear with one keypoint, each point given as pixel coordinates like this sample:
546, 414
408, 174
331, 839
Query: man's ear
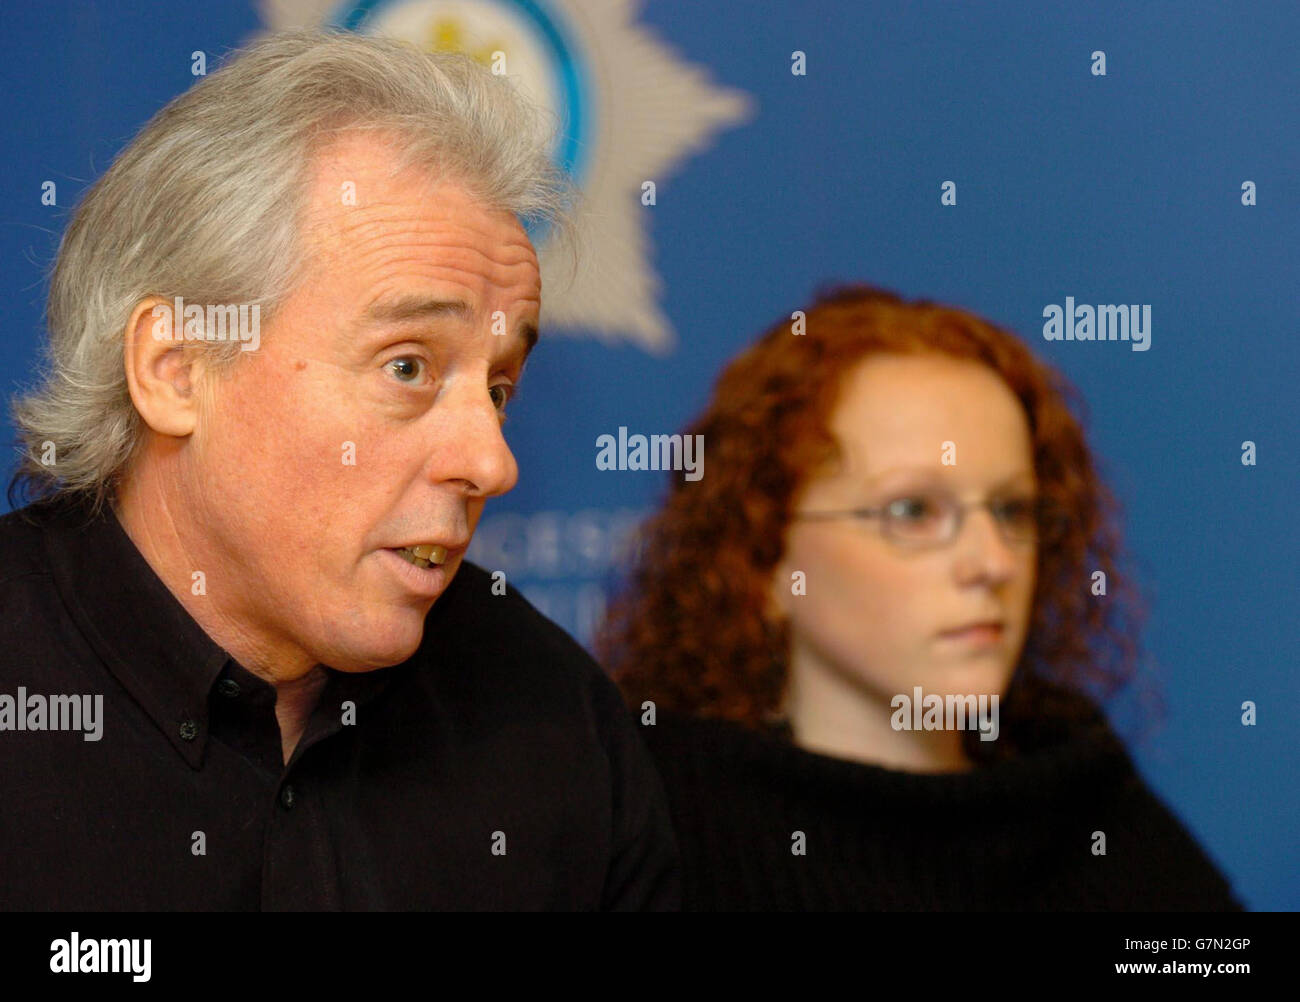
159, 369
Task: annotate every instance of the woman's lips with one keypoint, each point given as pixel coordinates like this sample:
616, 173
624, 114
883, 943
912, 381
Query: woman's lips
978, 634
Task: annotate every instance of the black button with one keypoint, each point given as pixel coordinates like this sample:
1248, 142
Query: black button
228, 687
189, 730
286, 796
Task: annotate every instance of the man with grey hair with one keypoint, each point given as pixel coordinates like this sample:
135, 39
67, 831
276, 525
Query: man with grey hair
284, 328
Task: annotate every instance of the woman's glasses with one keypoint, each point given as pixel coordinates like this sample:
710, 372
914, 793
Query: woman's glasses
934, 518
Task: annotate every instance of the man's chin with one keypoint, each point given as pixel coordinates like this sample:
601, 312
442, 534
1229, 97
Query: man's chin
389, 635
359, 661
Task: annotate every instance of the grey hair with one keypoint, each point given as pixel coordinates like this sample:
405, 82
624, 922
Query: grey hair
207, 203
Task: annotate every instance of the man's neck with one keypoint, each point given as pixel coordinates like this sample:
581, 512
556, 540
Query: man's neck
297, 681
145, 511
294, 702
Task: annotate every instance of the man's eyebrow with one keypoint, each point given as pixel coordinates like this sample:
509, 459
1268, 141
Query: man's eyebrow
400, 309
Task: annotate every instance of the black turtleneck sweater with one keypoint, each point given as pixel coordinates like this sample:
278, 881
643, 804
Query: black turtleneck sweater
1011, 835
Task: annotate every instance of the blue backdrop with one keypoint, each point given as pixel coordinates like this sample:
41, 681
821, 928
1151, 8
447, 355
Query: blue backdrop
1116, 188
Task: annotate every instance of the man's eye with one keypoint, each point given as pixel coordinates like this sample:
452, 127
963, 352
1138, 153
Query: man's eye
406, 366
501, 394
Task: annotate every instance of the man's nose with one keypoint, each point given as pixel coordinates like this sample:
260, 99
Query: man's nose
472, 446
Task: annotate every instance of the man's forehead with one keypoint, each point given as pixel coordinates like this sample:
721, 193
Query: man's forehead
439, 214
412, 263
359, 184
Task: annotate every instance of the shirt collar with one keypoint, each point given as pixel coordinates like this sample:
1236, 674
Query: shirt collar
146, 638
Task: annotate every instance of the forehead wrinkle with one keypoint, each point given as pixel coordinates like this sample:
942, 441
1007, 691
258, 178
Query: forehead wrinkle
409, 228
473, 282
422, 213
363, 233
469, 261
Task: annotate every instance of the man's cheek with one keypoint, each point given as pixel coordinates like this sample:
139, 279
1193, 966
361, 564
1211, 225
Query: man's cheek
321, 457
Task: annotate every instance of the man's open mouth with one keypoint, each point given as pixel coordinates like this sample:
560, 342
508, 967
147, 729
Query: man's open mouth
424, 555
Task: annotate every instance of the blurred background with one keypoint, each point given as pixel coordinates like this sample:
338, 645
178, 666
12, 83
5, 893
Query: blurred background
735, 156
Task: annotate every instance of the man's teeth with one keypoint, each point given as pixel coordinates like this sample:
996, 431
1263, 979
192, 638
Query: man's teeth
424, 554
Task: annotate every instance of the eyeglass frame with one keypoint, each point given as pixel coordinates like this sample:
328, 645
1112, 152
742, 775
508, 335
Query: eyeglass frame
958, 519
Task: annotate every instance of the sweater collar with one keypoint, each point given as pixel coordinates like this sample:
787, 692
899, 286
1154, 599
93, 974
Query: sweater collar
1054, 758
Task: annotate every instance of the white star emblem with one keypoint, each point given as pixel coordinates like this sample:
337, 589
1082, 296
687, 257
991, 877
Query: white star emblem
633, 109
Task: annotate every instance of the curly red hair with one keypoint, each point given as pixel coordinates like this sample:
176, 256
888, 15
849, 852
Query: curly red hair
689, 630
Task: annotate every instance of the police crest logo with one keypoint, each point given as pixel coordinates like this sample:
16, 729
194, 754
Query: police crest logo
630, 111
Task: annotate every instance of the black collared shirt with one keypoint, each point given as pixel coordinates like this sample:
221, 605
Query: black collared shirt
497, 768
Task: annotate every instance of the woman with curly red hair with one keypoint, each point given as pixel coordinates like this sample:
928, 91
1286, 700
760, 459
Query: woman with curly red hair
866, 644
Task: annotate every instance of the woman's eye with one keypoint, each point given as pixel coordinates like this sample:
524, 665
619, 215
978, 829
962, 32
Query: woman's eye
407, 365
913, 509
1017, 511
